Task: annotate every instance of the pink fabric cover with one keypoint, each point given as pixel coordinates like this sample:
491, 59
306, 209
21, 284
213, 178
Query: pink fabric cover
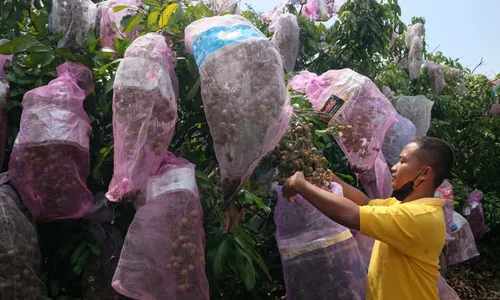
246, 118
377, 181
321, 10
463, 246
401, 133
50, 159
320, 257
144, 114
163, 256
445, 192
365, 245
446, 292
473, 212
363, 108
107, 31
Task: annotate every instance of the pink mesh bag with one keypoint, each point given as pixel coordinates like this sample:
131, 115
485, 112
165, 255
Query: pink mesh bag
446, 292
320, 258
286, 39
398, 136
463, 246
365, 245
445, 192
436, 77
163, 254
377, 181
73, 19
4, 89
417, 109
355, 107
321, 10
473, 212
245, 100
19, 253
110, 22
50, 159
144, 114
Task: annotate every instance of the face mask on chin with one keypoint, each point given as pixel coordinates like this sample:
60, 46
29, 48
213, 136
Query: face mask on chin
403, 192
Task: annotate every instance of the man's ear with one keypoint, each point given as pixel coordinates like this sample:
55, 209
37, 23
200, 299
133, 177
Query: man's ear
427, 174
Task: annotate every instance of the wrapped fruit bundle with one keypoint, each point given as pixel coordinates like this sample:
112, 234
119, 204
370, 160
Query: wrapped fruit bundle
4, 89
473, 212
50, 159
19, 253
321, 10
73, 19
244, 97
446, 292
445, 192
398, 136
107, 17
286, 38
418, 110
436, 77
163, 255
222, 6
414, 44
317, 252
355, 107
377, 181
144, 114
462, 247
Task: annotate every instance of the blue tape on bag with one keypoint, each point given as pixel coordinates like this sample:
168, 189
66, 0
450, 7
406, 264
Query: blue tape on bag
218, 37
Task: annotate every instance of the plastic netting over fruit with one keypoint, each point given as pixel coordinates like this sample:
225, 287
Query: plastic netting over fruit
321, 10
418, 110
414, 44
4, 89
463, 246
355, 107
163, 255
246, 120
222, 6
446, 292
286, 39
144, 114
73, 19
436, 77
377, 181
398, 136
473, 212
19, 253
50, 159
317, 252
445, 192
365, 246
108, 17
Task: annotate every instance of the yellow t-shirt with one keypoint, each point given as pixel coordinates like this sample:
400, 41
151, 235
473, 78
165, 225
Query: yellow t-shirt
409, 239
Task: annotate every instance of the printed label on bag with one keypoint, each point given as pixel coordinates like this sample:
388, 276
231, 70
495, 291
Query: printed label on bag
173, 180
331, 108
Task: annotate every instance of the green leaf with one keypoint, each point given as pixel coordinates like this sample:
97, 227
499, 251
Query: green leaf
39, 59
103, 69
132, 24
219, 258
95, 249
193, 90
249, 278
153, 17
257, 201
80, 264
167, 13
151, 3
77, 253
17, 45
120, 8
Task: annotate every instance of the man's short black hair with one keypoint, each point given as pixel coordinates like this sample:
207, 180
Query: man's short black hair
438, 155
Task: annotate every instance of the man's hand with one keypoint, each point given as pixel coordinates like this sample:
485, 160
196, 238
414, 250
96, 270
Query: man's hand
293, 185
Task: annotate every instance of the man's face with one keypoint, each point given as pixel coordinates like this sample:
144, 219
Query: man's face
407, 168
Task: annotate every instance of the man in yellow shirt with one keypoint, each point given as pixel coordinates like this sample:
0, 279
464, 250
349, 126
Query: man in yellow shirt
409, 228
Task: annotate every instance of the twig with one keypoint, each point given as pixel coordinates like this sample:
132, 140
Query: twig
478, 65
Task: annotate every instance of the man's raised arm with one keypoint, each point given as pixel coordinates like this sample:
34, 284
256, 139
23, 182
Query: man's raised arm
351, 192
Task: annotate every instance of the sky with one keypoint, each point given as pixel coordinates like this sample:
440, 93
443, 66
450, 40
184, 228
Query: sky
462, 29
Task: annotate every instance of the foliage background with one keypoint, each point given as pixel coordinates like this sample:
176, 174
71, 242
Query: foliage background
243, 264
